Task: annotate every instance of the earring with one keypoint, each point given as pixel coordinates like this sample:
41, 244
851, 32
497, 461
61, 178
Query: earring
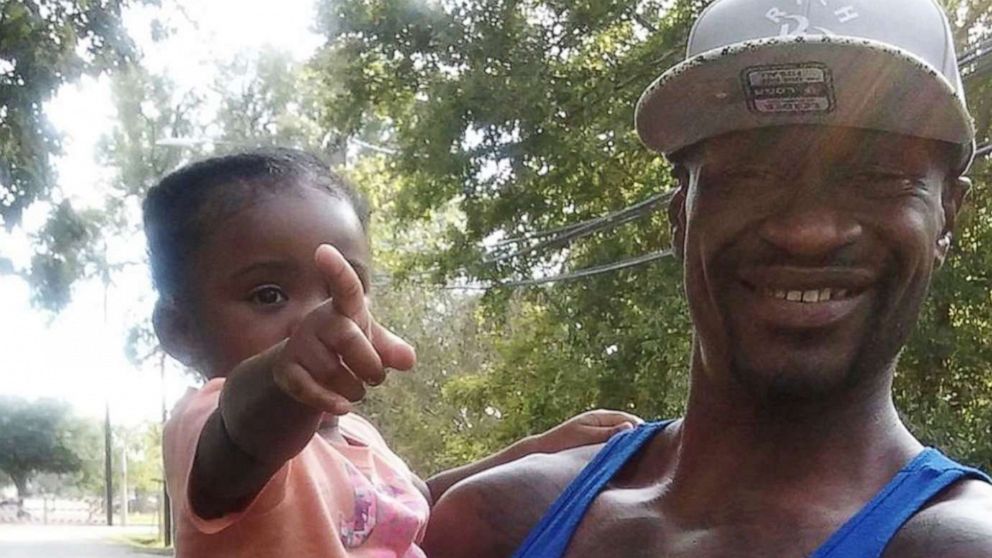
944, 242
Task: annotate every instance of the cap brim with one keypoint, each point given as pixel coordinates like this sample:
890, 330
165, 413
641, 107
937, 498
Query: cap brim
835, 81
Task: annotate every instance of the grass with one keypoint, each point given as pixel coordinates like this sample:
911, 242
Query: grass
150, 543
136, 519
146, 540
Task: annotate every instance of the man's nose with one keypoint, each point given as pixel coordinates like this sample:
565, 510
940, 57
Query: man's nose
810, 228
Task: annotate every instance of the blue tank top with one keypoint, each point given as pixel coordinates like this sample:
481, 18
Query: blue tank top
863, 536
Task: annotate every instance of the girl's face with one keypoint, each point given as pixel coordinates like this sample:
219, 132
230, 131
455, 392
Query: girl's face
253, 278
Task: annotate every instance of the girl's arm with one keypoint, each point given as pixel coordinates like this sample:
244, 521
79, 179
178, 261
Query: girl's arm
592, 427
271, 404
253, 432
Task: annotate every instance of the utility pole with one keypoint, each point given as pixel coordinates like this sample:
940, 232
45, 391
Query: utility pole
108, 465
166, 504
108, 458
124, 479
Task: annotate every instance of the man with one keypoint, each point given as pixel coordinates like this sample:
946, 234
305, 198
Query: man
819, 147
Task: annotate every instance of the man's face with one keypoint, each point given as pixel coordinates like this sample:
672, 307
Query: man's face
808, 251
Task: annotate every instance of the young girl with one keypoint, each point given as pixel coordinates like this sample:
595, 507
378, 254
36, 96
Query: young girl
262, 265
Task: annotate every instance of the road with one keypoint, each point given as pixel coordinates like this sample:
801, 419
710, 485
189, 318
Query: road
35, 541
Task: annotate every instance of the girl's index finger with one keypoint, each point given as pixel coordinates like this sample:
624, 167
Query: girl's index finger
347, 292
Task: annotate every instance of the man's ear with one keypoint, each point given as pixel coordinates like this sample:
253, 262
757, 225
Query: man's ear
955, 191
174, 328
676, 210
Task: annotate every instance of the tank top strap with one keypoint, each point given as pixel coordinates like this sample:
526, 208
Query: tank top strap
551, 536
868, 533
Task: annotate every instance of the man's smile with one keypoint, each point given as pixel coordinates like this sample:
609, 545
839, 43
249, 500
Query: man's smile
807, 296
804, 297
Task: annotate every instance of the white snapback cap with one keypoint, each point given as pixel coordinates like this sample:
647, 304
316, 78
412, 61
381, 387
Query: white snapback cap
886, 65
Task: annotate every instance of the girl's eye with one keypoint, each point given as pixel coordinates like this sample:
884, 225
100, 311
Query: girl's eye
268, 295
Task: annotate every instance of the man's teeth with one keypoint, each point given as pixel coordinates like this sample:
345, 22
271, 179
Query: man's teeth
815, 295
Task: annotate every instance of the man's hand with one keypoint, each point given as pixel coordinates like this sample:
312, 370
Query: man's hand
591, 427
338, 348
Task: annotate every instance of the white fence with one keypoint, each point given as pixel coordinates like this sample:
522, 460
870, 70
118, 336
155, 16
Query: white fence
53, 511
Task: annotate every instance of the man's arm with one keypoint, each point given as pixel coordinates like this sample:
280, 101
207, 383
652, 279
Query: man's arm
436, 486
958, 524
491, 513
589, 428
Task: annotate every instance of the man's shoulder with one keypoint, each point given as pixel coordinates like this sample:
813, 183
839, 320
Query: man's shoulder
957, 524
491, 513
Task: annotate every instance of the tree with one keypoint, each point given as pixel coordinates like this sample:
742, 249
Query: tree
46, 43
268, 99
34, 437
141, 442
73, 245
85, 440
519, 114
67, 247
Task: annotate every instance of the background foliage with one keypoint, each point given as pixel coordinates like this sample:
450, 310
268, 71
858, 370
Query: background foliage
45, 44
471, 123
36, 437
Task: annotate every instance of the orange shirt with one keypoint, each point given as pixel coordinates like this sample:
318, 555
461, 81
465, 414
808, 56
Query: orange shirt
352, 499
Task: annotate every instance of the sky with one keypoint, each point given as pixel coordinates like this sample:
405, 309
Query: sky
78, 355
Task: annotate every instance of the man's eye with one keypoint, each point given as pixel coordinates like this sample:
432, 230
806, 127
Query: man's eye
742, 181
885, 183
750, 178
267, 295
752, 173
880, 176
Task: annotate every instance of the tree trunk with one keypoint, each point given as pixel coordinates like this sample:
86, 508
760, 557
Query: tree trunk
21, 484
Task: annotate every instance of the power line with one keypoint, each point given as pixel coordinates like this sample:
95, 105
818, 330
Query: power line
649, 201
570, 276
372, 147
547, 232
595, 270
980, 49
586, 228
976, 62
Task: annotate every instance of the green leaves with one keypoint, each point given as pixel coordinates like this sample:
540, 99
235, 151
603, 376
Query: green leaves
34, 438
67, 248
46, 44
943, 386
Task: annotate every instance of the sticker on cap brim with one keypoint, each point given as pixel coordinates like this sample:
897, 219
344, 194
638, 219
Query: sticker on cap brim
789, 88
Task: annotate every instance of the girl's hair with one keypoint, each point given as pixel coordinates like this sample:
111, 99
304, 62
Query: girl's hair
180, 210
